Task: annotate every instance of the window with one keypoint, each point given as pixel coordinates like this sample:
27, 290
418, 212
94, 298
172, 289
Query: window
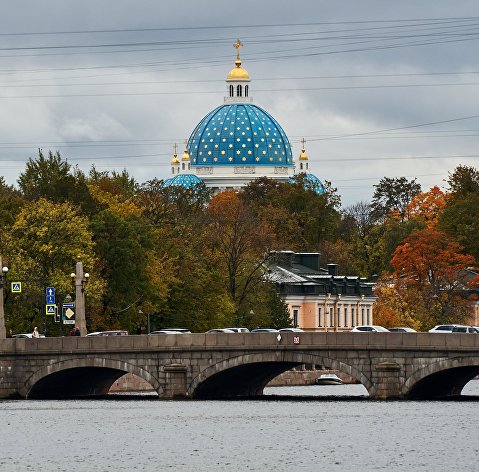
346, 316
301, 166
232, 90
320, 317
183, 166
246, 90
172, 170
239, 91
189, 166
368, 311
339, 316
295, 316
353, 321
331, 316
363, 321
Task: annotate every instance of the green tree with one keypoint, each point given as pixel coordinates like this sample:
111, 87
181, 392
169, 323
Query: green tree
393, 195
42, 248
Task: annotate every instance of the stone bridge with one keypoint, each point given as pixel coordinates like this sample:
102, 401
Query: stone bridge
389, 365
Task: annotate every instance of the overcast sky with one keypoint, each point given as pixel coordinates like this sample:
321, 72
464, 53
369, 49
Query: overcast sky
377, 88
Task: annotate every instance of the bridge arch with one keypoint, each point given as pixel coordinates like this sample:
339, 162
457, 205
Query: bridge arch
248, 374
446, 377
81, 377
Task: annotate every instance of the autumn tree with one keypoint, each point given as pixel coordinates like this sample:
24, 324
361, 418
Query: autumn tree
239, 241
429, 275
427, 206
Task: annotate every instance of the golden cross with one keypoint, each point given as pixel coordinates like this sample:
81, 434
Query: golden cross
303, 143
174, 147
237, 46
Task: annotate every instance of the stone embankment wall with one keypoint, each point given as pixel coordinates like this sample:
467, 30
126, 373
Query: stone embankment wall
132, 383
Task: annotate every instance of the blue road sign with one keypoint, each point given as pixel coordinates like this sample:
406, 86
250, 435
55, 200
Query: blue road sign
50, 299
50, 291
50, 309
16, 287
68, 305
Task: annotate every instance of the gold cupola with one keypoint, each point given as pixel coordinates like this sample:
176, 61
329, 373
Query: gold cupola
175, 159
303, 158
238, 72
186, 154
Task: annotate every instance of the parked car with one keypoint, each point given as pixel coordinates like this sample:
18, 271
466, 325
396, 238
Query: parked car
291, 330
220, 330
182, 330
444, 328
464, 329
264, 330
369, 329
166, 331
239, 330
402, 329
113, 332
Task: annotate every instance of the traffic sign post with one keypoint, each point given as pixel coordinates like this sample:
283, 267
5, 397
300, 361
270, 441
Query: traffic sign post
68, 314
50, 309
16, 287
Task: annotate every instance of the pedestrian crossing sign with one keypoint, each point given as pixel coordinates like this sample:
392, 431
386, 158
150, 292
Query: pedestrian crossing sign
50, 309
16, 287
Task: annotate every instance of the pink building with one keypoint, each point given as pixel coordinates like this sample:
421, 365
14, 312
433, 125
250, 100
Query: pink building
318, 298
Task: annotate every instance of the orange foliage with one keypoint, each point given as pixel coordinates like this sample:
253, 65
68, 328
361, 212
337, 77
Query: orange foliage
427, 206
429, 258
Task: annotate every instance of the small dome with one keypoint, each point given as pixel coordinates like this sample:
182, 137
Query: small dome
186, 155
309, 181
182, 180
237, 72
175, 159
303, 156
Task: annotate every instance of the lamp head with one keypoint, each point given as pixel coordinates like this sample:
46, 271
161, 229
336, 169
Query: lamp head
5, 269
87, 275
73, 275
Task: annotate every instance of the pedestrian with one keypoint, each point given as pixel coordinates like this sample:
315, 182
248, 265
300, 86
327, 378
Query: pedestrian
72, 332
77, 332
35, 333
10, 334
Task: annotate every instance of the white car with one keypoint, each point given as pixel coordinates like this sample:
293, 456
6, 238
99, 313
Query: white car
369, 329
443, 328
291, 330
239, 330
220, 330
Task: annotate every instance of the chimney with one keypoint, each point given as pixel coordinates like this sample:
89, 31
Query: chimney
283, 258
309, 259
333, 269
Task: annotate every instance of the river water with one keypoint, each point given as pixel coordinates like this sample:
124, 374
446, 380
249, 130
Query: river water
280, 433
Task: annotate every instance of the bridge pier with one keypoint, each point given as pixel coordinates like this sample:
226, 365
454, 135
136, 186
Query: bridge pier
175, 382
386, 378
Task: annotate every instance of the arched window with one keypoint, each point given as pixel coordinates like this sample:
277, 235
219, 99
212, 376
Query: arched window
301, 166
246, 90
172, 170
188, 166
183, 166
306, 166
239, 91
232, 90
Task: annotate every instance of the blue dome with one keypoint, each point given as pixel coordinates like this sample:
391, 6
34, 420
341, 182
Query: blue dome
309, 181
239, 134
182, 180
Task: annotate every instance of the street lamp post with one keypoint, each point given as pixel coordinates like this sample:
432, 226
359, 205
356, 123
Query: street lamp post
80, 280
3, 277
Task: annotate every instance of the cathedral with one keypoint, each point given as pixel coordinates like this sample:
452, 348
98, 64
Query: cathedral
238, 142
